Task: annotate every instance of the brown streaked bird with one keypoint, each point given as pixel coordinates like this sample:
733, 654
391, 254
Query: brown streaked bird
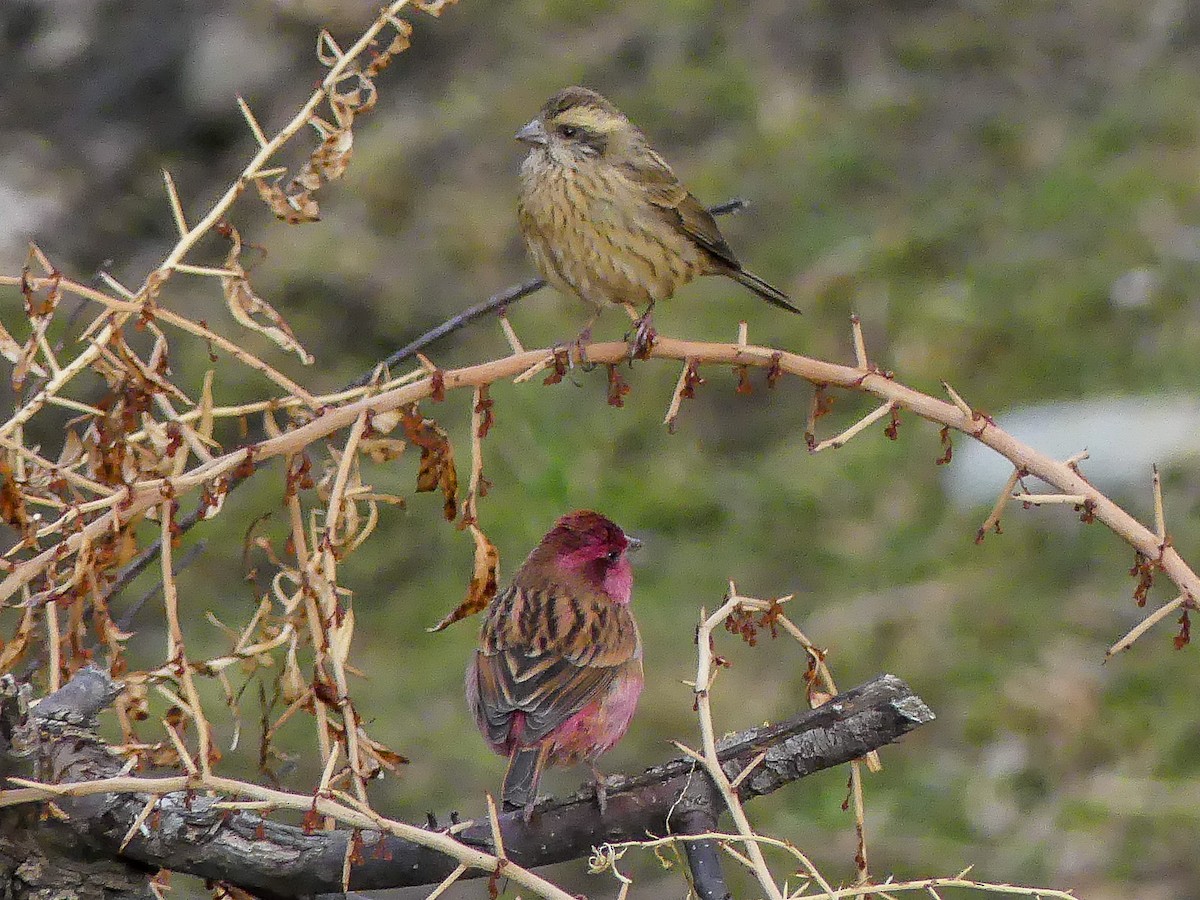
558, 672
606, 219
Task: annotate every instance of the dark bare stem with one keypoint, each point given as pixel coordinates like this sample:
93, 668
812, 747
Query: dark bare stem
131, 570
704, 857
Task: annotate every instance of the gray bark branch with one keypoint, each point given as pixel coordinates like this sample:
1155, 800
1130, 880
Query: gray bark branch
276, 860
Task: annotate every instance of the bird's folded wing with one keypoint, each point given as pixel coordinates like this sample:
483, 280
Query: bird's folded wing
678, 207
547, 656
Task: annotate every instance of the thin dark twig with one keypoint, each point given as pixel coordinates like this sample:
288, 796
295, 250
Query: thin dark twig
467, 316
193, 553
704, 857
126, 619
146, 558
504, 298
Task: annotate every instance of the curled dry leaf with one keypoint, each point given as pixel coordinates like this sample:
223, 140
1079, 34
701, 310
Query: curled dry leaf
15, 353
437, 469
434, 7
484, 580
134, 699
12, 502
330, 160
384, 757
341, 633
244, 304
382, 449
19, 642
295, 209
292, 683
399, 44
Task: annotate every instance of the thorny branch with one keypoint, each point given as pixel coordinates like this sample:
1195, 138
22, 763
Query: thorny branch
116, 509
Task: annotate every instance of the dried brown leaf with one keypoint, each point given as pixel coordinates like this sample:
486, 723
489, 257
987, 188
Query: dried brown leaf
244, 304
340, 635
72, 450
295, 209
19, 642
331, 159
484, 580
437, 469
12, 501
292, 682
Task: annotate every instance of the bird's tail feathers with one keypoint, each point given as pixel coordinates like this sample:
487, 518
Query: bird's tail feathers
767, 292
521, 779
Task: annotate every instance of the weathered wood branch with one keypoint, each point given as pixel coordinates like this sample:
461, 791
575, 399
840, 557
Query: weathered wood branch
54, 742
41, 856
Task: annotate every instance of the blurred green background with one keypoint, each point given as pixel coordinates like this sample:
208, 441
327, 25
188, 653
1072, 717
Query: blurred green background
1005, 192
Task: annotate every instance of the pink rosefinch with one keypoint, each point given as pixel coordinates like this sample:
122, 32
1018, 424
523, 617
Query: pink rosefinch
558, 672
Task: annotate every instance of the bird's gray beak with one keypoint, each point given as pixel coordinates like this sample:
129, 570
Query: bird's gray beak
632, 544
533, 134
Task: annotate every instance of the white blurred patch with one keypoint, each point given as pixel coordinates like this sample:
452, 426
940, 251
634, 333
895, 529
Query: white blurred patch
1124, 437
1133, 289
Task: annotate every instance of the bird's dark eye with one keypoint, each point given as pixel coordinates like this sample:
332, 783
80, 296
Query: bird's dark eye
614, 556
570, 132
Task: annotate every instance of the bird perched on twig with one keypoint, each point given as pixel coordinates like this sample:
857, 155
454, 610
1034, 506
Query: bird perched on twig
558, 672
606, 219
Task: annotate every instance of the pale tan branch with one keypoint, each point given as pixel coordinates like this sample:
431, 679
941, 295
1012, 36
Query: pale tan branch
839, 441
1053, 472
1145, 625
704, 675
993, 519
1051, 499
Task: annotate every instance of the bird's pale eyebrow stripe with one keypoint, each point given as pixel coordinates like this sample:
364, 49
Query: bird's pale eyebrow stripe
587, 119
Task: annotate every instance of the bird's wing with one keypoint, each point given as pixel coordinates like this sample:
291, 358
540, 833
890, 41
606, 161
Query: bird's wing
677, 206
547, 655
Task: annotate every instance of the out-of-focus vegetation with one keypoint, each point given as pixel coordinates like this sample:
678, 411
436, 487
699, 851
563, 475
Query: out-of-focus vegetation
1005, 192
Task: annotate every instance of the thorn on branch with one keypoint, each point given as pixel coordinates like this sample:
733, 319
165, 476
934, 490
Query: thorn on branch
993, 519
860, 344
947, 447
562, 360
1160, 520
822, 403
868, 420
892, 429
1143, 569
744, 386
617, 387
685, 389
